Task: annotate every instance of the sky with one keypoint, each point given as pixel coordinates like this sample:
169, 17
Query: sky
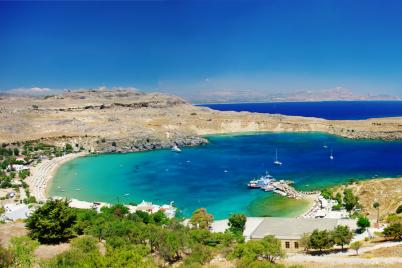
188, 47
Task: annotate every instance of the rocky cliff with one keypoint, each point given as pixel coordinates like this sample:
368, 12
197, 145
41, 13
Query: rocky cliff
137, 121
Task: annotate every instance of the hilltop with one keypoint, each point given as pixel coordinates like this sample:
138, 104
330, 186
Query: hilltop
134, 121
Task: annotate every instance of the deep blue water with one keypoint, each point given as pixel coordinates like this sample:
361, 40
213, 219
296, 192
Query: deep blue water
197, 178
337, 110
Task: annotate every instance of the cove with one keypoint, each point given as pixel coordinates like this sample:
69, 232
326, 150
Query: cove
214, 176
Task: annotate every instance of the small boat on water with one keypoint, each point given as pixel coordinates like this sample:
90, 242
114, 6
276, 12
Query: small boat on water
325, 146
277, 162
176, 149
331, 156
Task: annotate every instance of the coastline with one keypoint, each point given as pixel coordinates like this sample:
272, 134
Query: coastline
42, 173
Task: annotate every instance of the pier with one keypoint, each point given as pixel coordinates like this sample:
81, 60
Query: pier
281, 187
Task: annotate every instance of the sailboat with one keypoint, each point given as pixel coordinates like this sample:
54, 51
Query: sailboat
277, 162
331, 156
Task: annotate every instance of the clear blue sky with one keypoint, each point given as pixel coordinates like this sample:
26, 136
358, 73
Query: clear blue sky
185, 46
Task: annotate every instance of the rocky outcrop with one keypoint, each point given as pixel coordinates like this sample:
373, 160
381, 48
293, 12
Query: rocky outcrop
137, 121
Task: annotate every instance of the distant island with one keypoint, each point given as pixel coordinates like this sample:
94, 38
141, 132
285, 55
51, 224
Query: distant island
335, 94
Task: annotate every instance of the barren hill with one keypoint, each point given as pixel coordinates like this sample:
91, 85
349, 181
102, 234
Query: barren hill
139, 121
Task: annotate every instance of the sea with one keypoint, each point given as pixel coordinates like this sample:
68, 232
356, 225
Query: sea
215, 176
334, 110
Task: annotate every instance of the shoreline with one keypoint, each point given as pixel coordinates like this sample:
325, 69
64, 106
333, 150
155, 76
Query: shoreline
42, 173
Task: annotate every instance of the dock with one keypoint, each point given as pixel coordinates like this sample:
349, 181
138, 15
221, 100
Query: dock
281, 187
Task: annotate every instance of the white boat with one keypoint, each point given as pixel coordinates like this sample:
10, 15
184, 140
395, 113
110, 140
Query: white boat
325, 146
176, 149
277, 162
331, 156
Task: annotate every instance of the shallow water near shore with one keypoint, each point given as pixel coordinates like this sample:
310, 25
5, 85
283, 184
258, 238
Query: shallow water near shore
215, 175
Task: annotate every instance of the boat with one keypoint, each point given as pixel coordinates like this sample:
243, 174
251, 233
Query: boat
331, 156
325, 146
277, 162
262, 182
176, 149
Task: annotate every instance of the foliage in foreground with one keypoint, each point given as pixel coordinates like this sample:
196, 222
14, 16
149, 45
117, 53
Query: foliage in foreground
128, 239
267, 249
52, 223
321, 240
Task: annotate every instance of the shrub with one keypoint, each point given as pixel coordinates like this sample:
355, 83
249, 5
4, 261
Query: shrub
363, 223
394, 231
22, 249
399, 209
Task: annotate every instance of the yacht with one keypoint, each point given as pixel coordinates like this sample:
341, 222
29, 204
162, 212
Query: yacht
176, 149
277, 162
331, 156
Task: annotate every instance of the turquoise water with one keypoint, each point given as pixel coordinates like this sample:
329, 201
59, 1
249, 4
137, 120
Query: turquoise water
197, 178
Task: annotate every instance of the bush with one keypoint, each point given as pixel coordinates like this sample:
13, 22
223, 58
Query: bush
52, 223
6, 257
394, 231
22, 248
399, 209
363, 223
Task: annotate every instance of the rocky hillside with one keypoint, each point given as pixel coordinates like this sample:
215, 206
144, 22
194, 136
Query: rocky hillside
130, 120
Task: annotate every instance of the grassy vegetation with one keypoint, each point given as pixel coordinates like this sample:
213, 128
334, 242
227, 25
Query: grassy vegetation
117, 238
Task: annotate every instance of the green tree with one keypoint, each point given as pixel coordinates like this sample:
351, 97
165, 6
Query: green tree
269, 248
305, 241
363, 223
338, 198
171, 245
320, 240
201, 218
342, 235
394, 231
52, 223
22, 248
16, 152
376, 205
350, 201
272, 249
399, 209
237, 223
200, 255
84, 252
356, 246
135, 256
327, 193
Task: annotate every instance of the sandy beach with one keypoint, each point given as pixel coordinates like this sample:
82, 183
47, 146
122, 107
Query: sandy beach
43, 172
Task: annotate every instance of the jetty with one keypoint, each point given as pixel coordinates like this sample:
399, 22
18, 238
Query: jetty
281, 187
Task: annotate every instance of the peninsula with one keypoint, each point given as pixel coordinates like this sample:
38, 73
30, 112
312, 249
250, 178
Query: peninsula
127, 120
